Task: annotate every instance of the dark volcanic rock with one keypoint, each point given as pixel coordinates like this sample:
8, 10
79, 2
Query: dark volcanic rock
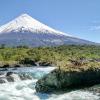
6, 66
13, 76
60, 80
3, 69
25, 76
10, 77
9, 73
2, 73
45, 64
28, 61
16, 66
2, 78
2, 81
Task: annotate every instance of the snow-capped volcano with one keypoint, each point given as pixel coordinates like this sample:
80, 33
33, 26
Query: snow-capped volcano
27, 23
25, 30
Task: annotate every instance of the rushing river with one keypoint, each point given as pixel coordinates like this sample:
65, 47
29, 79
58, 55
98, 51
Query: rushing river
25, 90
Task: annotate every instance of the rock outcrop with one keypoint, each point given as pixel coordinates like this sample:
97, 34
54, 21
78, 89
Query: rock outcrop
63, 80
12, 77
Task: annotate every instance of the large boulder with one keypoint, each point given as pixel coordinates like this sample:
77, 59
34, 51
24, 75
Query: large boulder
61, 80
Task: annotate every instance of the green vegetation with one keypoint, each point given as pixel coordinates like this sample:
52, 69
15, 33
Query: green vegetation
71, 57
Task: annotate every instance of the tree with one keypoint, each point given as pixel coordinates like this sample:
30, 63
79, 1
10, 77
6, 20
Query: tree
2, 46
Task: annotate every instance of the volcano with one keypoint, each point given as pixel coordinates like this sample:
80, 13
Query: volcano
25, 30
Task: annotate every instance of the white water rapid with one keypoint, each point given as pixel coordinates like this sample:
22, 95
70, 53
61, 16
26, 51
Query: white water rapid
24, 90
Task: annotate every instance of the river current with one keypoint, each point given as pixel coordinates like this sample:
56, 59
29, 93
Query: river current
25, 90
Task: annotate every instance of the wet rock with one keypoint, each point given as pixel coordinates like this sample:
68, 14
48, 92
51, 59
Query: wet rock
61, 80
3, 69
2, 78
25, 76
2, 81
1, 73
9, 77
17, 66
45, 64
13, 77
9, 73
94, 89
6, 66
28, 61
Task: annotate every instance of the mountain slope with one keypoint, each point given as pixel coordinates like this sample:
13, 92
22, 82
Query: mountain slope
25, 30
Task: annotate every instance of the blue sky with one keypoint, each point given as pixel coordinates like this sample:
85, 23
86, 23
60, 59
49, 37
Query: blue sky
80, 18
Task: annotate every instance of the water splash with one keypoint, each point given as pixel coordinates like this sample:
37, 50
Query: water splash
25, 90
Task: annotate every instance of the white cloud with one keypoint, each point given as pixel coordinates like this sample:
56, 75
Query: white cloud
95, 28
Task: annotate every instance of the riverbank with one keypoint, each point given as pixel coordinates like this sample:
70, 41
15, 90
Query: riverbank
26, 63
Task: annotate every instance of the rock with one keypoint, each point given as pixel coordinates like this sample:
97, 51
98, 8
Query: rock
48, 83
25, 76
2, 81
60, 80
6, 66
45, 64
2, 73
3, 69
16, 66
13, 76
28, 61
9, 77
2, 78
9, 73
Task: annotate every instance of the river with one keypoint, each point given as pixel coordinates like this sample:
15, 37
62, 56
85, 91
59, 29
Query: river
25, 90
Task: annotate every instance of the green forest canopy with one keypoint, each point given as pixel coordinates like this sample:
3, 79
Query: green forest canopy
60, 56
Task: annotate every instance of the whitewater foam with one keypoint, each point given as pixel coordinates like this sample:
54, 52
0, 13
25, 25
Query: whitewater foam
25, 90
